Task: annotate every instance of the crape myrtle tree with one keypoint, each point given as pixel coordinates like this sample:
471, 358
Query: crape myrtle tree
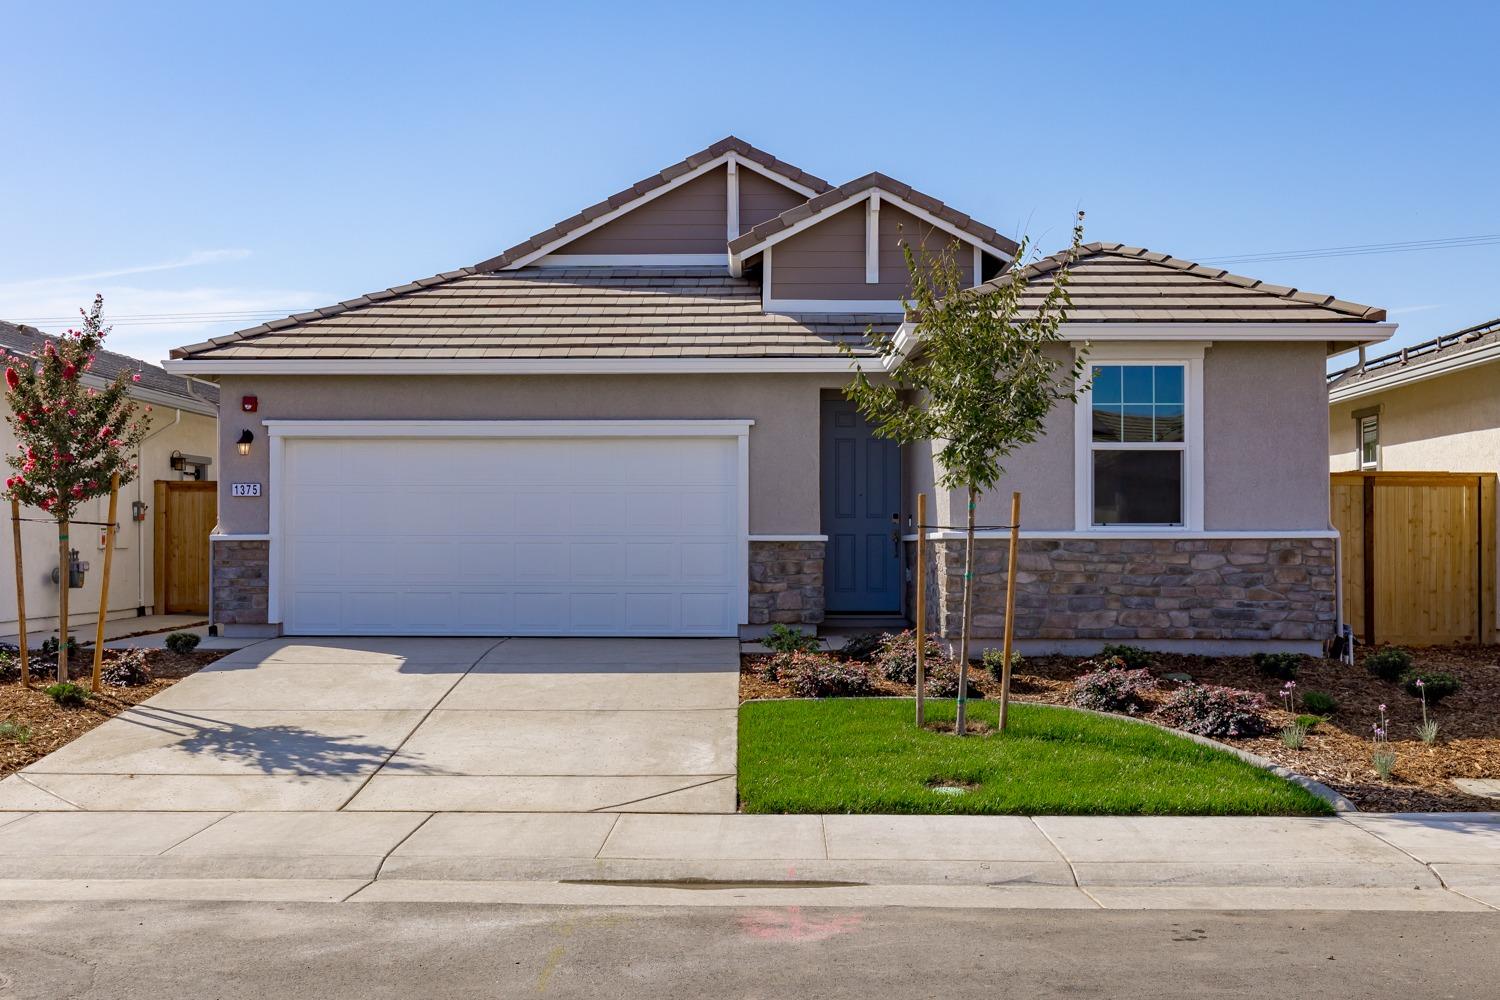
71, 437
977, 379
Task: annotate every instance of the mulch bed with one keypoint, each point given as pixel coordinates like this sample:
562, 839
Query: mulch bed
1337, 751
50, 726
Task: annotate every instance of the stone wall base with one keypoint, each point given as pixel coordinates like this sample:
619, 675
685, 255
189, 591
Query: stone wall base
786, 583
239, 582
1175, 593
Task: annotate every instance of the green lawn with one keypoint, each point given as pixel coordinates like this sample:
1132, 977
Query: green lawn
864, 755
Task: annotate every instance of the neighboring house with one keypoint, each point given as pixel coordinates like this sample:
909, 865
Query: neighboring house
1432, 409
183, 423
632, 424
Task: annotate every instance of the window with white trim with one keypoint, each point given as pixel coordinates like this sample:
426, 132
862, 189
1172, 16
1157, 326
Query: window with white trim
1369, 442
1138, 450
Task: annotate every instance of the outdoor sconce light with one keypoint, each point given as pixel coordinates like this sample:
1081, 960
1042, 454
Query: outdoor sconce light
245, 440
177, 462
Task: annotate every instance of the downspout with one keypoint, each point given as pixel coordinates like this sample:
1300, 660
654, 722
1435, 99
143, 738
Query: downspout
140, 526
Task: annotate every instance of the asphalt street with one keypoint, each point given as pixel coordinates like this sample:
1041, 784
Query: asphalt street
228, 951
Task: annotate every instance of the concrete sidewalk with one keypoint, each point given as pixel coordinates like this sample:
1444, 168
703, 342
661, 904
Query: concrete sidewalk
1383, 862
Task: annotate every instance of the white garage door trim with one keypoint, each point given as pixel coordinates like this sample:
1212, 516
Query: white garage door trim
279, 431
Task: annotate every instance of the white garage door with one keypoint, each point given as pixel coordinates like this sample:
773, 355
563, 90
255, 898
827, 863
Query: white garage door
511, 536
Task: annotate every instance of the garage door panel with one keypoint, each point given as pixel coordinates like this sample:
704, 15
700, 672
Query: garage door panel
546, 536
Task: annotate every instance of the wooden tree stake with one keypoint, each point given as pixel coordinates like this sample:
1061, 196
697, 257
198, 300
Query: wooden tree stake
1010, 605
64, 578
921, 609
15, 523
961, 725
109, 557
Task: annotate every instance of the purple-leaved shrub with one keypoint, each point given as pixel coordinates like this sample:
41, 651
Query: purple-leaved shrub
1209, 710
1110, 687
818, 675
897, 657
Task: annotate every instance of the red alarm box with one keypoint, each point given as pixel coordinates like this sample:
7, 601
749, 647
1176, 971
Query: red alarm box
249, 404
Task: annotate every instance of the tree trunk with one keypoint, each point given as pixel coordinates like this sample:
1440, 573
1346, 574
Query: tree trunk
962, 723
62, 601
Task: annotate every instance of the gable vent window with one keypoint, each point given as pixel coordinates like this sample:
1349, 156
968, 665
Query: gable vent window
1369, 442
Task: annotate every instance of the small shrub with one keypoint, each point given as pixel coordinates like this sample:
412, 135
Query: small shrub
183, 642
1134, 657
1110, 687
1427, 732
768, 668
942, 681
1293, 736
1282, 666
1389, 664
817, 675
67, 694
790, 640
1384, 761
1310, 722
127, 669
1319, 703
14, 731
1209, 710
1432, 685
994, 662
10, 666
897, 659
861, 647
49, 646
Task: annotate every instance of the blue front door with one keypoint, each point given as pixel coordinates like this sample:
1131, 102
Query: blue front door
861, 508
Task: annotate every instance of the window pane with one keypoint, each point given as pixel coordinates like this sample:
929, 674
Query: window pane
1106, 422
1169, 384
1106, 386
1137, 384
1137, 423
1369, 441
1138, 487
1169, 422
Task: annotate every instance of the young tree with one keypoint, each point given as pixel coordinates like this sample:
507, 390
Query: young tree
977, 379
72, 437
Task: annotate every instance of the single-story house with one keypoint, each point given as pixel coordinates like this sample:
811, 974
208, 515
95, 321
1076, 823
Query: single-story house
633, 424
1432, 409
165, 515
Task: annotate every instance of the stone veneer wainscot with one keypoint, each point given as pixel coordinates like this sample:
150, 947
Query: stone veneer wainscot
240, 584
786, 582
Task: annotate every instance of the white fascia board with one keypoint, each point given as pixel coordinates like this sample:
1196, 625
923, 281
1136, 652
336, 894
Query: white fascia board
855, 199
1416, 372
507, 366
738, 427
632, 260
630, 206
1369, 333
155, 397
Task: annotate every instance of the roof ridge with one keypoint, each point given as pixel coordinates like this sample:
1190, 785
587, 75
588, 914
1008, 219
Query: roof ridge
865, 182
1097, 248
729, 143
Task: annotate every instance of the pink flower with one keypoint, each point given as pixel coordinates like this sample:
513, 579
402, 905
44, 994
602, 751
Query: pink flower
1382, 708
1419, 682
136, 377
77, 491
72, 412
70, 370
12, 380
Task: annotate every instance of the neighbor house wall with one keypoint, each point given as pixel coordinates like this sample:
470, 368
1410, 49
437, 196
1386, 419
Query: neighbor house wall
1450, 423
827, 260
132, 578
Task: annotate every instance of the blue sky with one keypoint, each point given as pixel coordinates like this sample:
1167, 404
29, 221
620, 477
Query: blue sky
239, 158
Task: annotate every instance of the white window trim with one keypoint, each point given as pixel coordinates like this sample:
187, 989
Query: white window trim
280, 431
1190, 356
1359, 442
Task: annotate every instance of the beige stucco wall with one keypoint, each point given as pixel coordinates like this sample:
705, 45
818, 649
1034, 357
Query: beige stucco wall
1446, 424
132, 583
783, 443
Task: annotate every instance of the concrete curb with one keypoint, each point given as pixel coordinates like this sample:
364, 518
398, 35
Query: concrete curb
1340, 803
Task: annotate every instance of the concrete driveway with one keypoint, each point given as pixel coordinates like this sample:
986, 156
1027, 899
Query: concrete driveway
470, 725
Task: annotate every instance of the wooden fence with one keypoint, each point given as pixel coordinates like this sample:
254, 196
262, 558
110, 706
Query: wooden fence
1418, 549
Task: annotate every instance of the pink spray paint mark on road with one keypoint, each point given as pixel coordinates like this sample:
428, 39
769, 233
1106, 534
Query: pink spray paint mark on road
792, 926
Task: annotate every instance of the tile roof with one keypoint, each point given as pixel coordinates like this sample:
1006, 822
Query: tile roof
108, 364
1470, 340
592, 312
822, 202
729, 143
1111, 282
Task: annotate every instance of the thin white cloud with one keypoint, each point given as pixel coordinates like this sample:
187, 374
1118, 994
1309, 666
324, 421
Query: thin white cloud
195, 259
1408, 310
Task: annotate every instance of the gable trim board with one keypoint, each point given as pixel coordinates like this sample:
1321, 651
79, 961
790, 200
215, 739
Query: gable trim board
739, 257
702, 169
285, 433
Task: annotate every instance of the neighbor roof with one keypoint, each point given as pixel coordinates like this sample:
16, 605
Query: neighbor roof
1472, 344
748, 242
1111, 282
729, 144
552, 312
107, 364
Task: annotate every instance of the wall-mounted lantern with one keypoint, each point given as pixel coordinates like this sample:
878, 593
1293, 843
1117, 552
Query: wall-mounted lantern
246, 439
178, 462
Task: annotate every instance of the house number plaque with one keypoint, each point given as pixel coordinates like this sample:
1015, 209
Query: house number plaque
244, 489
